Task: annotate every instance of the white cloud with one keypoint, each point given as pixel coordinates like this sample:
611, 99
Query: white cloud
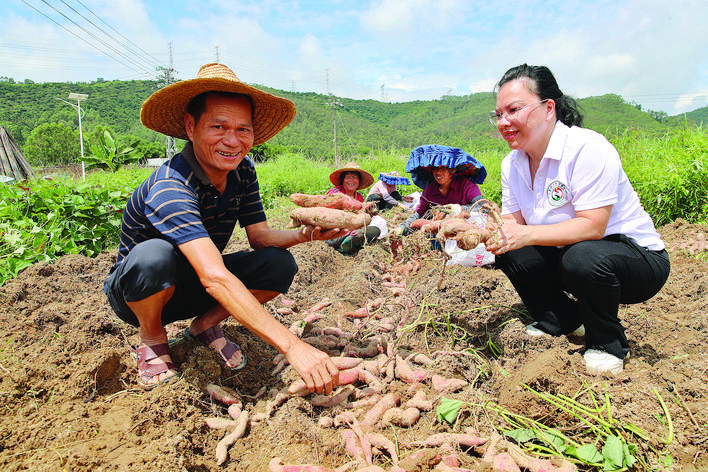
649, 51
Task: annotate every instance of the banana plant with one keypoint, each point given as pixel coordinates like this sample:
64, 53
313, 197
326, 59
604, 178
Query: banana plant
108, 155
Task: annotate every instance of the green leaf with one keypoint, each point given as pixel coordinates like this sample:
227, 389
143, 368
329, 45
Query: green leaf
587, 453
522, 435
448, 409
613, 452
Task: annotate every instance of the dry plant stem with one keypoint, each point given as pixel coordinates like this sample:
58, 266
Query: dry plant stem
685, 407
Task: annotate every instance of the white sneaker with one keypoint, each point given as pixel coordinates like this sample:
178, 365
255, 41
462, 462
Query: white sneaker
532, 330
601, 362
579, 332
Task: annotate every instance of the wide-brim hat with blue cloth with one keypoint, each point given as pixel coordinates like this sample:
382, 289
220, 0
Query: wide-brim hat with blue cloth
424, 158
393, 178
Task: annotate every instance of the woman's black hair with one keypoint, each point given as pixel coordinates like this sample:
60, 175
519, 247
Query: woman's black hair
543, 84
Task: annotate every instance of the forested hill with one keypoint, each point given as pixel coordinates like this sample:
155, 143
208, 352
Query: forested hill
361, 125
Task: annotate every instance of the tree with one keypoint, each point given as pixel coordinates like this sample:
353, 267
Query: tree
52, 144
660, 116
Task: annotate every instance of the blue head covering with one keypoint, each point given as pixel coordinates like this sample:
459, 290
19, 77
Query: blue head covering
424, 157
393, 178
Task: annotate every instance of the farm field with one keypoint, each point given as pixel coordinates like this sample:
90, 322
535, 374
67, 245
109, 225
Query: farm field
70, 400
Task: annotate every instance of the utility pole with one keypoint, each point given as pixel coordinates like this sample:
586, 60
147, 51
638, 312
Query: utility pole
334, 103
78, 97
166, 79
217, 53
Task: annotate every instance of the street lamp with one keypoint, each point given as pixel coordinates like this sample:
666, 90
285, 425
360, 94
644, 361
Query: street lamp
78, 97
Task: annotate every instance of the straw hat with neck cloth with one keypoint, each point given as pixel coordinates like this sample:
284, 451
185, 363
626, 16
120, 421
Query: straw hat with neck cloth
165, 109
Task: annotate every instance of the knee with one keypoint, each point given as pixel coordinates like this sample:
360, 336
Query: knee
284, 262
372, 232
154, 258
149, 268
581, 264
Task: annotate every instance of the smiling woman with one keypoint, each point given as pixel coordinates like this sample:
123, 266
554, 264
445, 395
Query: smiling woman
573, 224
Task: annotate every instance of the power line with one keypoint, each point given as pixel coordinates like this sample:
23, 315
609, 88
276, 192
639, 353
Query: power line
118, 32
136, 63
74, 34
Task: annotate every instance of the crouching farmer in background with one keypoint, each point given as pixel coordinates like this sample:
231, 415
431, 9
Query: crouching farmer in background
176, 224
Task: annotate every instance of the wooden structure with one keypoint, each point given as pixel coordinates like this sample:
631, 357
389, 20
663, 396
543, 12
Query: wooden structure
13, 164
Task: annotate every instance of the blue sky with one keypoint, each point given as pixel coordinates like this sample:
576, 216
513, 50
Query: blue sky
652, 52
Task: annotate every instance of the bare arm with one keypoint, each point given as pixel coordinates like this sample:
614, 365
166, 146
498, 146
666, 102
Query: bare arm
314, 366
261, 235
587, 225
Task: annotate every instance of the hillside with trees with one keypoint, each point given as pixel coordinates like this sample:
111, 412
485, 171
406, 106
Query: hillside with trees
39, 118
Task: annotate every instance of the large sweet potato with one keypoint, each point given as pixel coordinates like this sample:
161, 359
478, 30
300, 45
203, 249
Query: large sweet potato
338, 201
328, 218
467, 240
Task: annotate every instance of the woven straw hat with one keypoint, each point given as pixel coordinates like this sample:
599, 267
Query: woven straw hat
365, 179
164, 110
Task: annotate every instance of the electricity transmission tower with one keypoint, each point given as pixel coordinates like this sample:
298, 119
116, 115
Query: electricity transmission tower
164, 80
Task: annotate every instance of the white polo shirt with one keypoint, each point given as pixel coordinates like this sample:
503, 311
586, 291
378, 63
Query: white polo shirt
580, 170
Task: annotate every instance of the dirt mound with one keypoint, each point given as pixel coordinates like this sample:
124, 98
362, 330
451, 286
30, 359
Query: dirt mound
70, 400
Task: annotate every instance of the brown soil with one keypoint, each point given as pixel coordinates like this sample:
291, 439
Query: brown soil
70, 401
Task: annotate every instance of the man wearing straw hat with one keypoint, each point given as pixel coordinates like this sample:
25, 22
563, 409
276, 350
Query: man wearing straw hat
176, 224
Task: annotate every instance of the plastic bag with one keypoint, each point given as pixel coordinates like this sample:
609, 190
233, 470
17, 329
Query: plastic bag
476, 257
380, 223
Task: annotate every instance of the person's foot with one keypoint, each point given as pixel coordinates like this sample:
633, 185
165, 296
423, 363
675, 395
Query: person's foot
600, 362
534, 330
154, 365
229, 351
580, 331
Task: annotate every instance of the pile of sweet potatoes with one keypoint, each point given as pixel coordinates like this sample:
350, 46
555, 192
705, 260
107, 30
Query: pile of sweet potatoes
329, 211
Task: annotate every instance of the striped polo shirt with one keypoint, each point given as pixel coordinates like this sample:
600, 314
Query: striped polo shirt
177, 203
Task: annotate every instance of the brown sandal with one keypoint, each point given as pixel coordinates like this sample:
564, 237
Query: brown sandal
147, 371
230, 348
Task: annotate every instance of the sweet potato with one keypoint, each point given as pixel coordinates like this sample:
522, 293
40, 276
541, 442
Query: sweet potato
338, 201
352, 445
328, 218
503, 462
235, 411
335, 400
420, 401
219, 423
443, 385
407, 374
419, 223
276, 465
223, 446
467, 240
452, 226
382, 442
419, 358
346, 362
372, 416
468, 439
400, 417
223, 394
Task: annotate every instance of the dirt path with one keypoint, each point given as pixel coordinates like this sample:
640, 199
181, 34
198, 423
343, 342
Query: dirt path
70, 401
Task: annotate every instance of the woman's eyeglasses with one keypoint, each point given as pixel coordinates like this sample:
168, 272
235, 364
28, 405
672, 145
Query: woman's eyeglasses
495, 116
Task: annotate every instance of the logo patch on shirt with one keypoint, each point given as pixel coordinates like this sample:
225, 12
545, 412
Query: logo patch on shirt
557, 193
